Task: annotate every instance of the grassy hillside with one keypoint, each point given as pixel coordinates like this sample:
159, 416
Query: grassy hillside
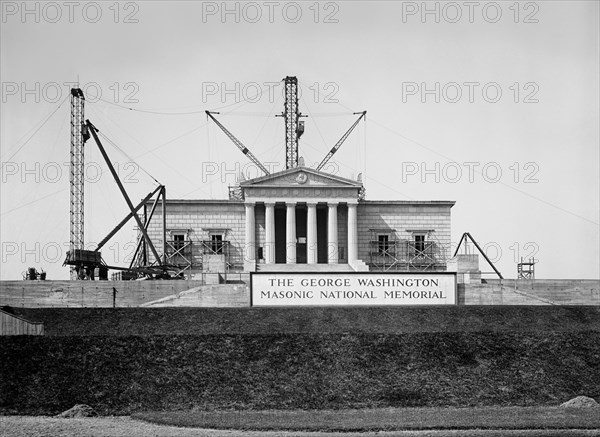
120, 375
128, 360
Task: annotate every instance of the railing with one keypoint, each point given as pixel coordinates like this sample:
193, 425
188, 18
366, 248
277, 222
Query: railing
179, 254
406, 255
181, 248
215, 247
186, 255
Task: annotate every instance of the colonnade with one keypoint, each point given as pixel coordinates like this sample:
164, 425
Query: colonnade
290, 233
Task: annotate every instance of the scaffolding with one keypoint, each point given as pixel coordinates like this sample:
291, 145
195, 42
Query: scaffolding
526, 269
179, 254
185, 256
387, 252
215, 247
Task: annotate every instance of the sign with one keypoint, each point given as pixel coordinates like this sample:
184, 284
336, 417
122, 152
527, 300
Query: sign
352, 289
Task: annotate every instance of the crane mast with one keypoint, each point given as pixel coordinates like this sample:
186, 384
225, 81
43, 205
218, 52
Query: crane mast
294, 128
77, 174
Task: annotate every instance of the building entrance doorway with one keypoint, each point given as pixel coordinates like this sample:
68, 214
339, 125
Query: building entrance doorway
301, 235
322, 235
280, 249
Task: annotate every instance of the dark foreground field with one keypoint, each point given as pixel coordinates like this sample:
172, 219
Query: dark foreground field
427, 357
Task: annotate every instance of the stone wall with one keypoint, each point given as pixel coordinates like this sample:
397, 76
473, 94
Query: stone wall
198, 215
39, 294
36, 294
401, 216
532, 292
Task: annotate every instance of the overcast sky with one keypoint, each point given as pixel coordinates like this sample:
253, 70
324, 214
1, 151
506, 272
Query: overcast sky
493, 105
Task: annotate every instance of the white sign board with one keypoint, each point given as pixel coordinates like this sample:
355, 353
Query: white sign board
352, 289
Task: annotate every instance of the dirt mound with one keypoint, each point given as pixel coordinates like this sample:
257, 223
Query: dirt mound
80, 410
580, 402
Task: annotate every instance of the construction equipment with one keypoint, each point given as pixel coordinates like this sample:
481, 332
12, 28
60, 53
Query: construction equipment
294, 127
469, 236
341, 140
31, 274
85, 262
79, 135
238, 143
526, 269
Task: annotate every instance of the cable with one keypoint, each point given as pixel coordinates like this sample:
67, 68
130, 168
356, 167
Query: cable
36, 131
127, 156
316, 125
353, 169
499, 182
269, 115
152, 150
147, 111
33, 201
172, 140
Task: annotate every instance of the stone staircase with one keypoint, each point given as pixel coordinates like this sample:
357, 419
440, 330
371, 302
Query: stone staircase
360, 266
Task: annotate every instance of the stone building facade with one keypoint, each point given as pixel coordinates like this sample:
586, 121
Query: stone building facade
303, 217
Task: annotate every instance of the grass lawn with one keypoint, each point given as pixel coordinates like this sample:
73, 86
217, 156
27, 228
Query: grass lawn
388, 419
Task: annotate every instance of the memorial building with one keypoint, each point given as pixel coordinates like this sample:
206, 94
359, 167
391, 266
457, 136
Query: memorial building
301, 219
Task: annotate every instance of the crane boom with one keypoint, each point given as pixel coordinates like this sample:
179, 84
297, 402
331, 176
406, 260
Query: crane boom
341, 141
238, 143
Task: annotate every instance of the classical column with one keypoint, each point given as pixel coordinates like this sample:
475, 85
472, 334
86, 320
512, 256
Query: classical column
311, 234
352, 234
250, 248
332, 233
290, 232
269, 233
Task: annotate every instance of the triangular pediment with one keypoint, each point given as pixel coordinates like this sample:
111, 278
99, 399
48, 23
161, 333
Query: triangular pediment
300, 177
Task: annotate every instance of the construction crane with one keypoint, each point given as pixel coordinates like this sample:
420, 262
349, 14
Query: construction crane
85, 262
294, 127
238, 143
341, 141
79, 135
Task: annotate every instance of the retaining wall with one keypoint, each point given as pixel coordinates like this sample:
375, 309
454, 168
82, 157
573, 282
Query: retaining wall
194, 293
530, 292
37, 294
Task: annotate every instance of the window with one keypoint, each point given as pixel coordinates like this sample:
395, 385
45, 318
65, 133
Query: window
178, 241
419, 243
216, 243
383, 244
